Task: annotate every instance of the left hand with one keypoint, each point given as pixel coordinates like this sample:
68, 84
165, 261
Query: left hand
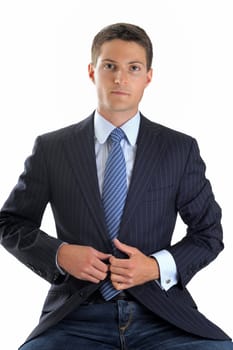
137, 269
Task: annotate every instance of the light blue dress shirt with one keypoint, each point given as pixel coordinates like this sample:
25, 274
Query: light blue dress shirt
102, 129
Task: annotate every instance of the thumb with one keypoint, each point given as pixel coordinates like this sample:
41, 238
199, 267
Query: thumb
127, 249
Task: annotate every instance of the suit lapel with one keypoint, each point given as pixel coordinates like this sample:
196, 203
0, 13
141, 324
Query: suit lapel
81, 154
150, 150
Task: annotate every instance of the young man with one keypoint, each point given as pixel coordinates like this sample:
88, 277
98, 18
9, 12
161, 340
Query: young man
116, 182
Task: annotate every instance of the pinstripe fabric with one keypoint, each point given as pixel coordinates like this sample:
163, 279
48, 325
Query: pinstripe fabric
168, 178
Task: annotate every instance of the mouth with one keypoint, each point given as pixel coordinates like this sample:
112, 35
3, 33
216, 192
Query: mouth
120, 92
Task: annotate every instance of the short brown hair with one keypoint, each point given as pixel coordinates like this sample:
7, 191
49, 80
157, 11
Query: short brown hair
126, 32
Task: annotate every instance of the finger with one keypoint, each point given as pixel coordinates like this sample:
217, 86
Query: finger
101, 265
127, 249
102, 261
120, 264
92, 279
93, 275
121, 279
102, 256
120, 285
122, 275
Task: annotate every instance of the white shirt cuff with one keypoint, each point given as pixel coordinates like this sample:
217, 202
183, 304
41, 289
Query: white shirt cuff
62, 272
168, 269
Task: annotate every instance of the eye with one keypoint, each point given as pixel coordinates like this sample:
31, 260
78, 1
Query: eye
135, 68
109, 66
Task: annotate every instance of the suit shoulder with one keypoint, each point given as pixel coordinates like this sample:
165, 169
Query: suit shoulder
64, 133
167, 132
176, 134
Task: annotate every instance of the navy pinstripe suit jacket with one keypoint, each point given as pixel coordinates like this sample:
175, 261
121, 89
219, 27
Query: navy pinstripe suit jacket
168, 178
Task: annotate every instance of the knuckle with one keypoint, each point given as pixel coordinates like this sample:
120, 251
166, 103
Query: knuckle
91, 251
131, 265
103, 276
118, 286
130, 275
105, 269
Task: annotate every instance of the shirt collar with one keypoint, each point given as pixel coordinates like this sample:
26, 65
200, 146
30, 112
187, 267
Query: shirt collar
103, 128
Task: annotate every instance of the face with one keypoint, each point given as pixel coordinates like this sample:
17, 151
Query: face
120, 77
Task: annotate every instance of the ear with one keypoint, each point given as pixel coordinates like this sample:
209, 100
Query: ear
91, 72
149, 76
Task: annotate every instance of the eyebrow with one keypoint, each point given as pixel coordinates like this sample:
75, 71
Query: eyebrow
113, 61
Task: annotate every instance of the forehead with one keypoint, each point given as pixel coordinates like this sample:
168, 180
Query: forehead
122, 51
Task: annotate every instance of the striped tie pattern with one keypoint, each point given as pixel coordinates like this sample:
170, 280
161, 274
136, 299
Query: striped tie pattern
114, 195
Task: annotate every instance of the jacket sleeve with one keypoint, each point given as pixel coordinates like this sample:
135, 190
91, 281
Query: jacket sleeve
21, 215
202, 215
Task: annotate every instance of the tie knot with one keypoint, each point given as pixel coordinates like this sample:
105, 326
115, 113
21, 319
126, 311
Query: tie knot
117, 135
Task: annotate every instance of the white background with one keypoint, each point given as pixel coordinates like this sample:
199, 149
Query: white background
45, 50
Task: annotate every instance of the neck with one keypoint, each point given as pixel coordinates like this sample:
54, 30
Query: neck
117, 118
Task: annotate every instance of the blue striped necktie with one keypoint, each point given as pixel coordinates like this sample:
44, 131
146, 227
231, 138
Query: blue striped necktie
114, 195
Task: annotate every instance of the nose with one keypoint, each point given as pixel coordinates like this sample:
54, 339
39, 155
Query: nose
120, 77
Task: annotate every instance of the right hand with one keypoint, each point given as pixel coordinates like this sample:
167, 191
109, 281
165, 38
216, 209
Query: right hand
83, 262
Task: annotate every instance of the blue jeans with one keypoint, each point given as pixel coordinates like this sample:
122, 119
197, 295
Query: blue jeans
122, 325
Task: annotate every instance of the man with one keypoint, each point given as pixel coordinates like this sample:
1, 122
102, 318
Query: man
116, 182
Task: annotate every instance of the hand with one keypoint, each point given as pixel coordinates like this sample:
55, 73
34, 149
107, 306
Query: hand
83, 262
137, 269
